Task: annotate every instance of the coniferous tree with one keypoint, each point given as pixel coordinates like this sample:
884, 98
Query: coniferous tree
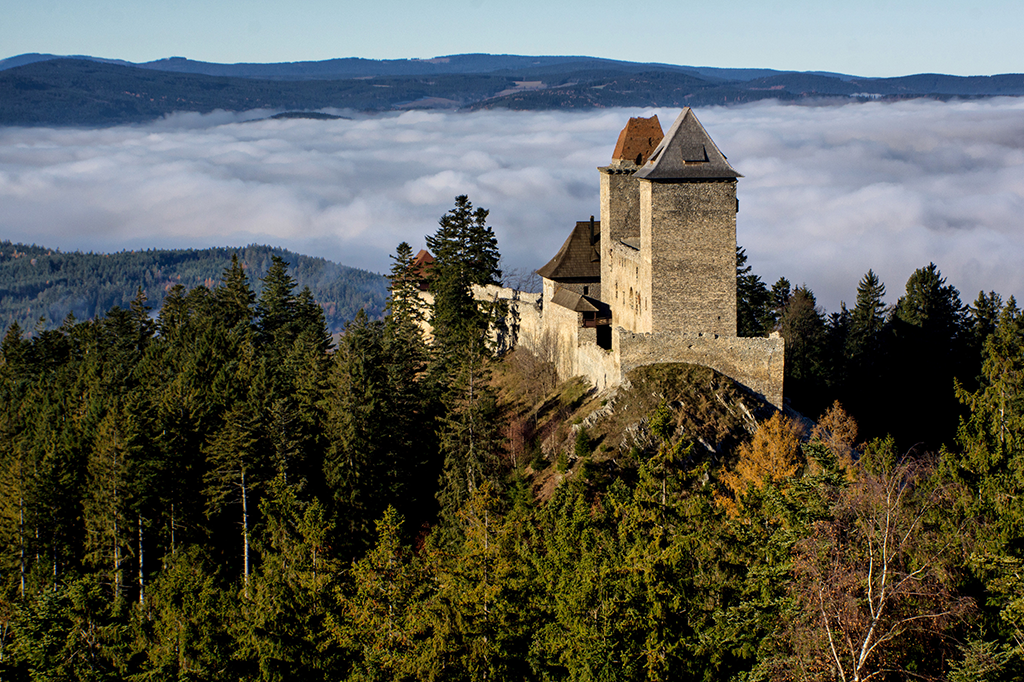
991, 468
414, 412
377, 618
867, 319
983, 317
361, 468
465, 254
469, 439
234, 297
867, 346
929, 340
237, 460
803, 329
836, 363
754, 313
781, 291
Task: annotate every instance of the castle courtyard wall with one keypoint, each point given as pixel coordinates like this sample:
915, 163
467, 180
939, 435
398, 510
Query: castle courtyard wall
554, 334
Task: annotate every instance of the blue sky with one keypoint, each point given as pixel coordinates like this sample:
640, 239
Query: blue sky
867, 37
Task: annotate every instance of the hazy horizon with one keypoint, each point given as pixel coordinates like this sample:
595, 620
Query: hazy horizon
868, 39
828, 192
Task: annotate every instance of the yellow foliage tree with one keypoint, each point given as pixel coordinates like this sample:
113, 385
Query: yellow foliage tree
773, 456
837, 430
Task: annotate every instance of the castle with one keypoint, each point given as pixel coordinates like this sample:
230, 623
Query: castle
654, 280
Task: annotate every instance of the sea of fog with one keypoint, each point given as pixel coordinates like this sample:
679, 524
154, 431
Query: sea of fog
827, 192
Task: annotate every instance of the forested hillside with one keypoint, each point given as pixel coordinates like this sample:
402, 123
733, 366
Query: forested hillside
215, 494
86, 92
37, 282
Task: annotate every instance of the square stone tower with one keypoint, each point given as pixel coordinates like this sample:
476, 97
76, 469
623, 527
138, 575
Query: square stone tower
668, 231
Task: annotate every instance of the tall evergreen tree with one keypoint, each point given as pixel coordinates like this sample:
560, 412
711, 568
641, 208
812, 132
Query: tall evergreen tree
469, 438
362, 469
755, 315
928, 353
415, 412
465, 254
867, 319
802, 326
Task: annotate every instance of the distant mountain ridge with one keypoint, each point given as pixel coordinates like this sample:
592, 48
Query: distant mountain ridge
49, 90
356, 67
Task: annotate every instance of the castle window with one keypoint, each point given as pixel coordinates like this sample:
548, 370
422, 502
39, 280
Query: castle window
586, 291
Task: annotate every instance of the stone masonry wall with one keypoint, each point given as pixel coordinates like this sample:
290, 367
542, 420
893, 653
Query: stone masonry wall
626, 284
620, 219
757, 363
553, 333
691, 229
599, 366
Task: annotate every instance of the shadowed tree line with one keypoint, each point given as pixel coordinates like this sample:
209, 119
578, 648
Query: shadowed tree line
892, 366
217, 493
40, 287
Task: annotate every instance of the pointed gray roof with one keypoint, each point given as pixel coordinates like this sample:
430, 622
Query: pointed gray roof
686, 153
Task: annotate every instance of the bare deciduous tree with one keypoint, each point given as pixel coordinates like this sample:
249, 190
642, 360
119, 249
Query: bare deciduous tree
874, 580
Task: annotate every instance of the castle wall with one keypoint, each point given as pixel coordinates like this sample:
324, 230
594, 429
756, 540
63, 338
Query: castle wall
620, 205
620, 219
553, 333
690, 229
757, 363
599, 366
629, 287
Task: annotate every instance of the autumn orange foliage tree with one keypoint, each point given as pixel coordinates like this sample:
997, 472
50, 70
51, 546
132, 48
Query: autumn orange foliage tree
772, 457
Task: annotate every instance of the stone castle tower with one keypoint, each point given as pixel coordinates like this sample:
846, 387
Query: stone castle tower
668, 221
654, 280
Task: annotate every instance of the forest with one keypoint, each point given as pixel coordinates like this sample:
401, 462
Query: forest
42, 286
218, 492
88, 92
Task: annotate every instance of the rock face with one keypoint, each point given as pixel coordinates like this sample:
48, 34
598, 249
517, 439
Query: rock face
705, 408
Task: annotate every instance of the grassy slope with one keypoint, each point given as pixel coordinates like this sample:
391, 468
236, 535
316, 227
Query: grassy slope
542, 418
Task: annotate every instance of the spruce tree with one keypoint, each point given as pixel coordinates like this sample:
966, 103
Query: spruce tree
929, 343
754, 313
465, 254
803, 328
867, 319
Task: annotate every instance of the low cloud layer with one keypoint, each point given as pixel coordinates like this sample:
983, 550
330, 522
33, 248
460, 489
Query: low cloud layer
827, 193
